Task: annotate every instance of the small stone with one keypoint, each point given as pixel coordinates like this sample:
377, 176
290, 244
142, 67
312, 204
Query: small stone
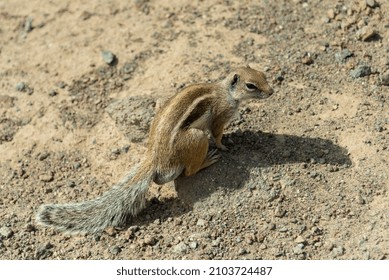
108, 57
125, 148
28, 25
61, 85
300, 239
6, 232
283, 229
53, 93
149, 240
371, 3
271, 226
44, 155
307, 59
111, 231
133, 229
242, 251
43, 251
298, 249
366, 33
180, 248
129, 68
313, 174
360, 199
279, 212
21, 86
360, 71
193, 245
384, 79
337, 251
342, 56
201, 222
115, 250
331, 13
48, 177
76, 165
279, 77
216, 242
177, 221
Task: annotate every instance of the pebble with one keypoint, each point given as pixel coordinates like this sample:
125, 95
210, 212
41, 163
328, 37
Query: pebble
242, 251
298, 249
342, 56
149, 240
48, 177
283, 229
337, 251
193, 245
21, 86
43, 251
201, 222
180, 248
384, 79
111, 231
133, 229
313, 174
44, 155
371, 3
279, 77
108, 57
53, 93
61, 84
216, 243
300, 239
360, 71
6, 232
279, 212
366, 33
307, 60
28, 25
115, 250
331, 13
360, 199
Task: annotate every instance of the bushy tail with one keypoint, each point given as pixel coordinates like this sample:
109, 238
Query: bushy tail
113, 208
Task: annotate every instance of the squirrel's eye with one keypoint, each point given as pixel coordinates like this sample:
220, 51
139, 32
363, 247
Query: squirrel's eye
250, 86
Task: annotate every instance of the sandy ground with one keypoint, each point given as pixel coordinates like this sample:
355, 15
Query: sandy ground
306, 174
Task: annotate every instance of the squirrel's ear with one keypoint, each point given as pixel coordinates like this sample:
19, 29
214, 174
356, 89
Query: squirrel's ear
248, 66
235, 80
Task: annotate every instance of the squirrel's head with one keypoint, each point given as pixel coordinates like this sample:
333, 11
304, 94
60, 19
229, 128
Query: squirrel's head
245, 83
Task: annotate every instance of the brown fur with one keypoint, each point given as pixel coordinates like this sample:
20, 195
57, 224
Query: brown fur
178, 144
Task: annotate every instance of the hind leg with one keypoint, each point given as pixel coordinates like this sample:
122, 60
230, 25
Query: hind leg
195, 152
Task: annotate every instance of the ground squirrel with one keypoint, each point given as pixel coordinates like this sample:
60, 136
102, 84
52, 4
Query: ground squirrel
178, 144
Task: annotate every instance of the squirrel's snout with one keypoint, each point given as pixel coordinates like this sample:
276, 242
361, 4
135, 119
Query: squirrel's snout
269, 91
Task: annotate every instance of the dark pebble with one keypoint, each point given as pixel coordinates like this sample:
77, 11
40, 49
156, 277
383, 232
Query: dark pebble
360, 71
342, 56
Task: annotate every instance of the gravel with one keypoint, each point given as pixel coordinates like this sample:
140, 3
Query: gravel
108, 57
181, 248
342, 56
305, 176
6, 232
360, 71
